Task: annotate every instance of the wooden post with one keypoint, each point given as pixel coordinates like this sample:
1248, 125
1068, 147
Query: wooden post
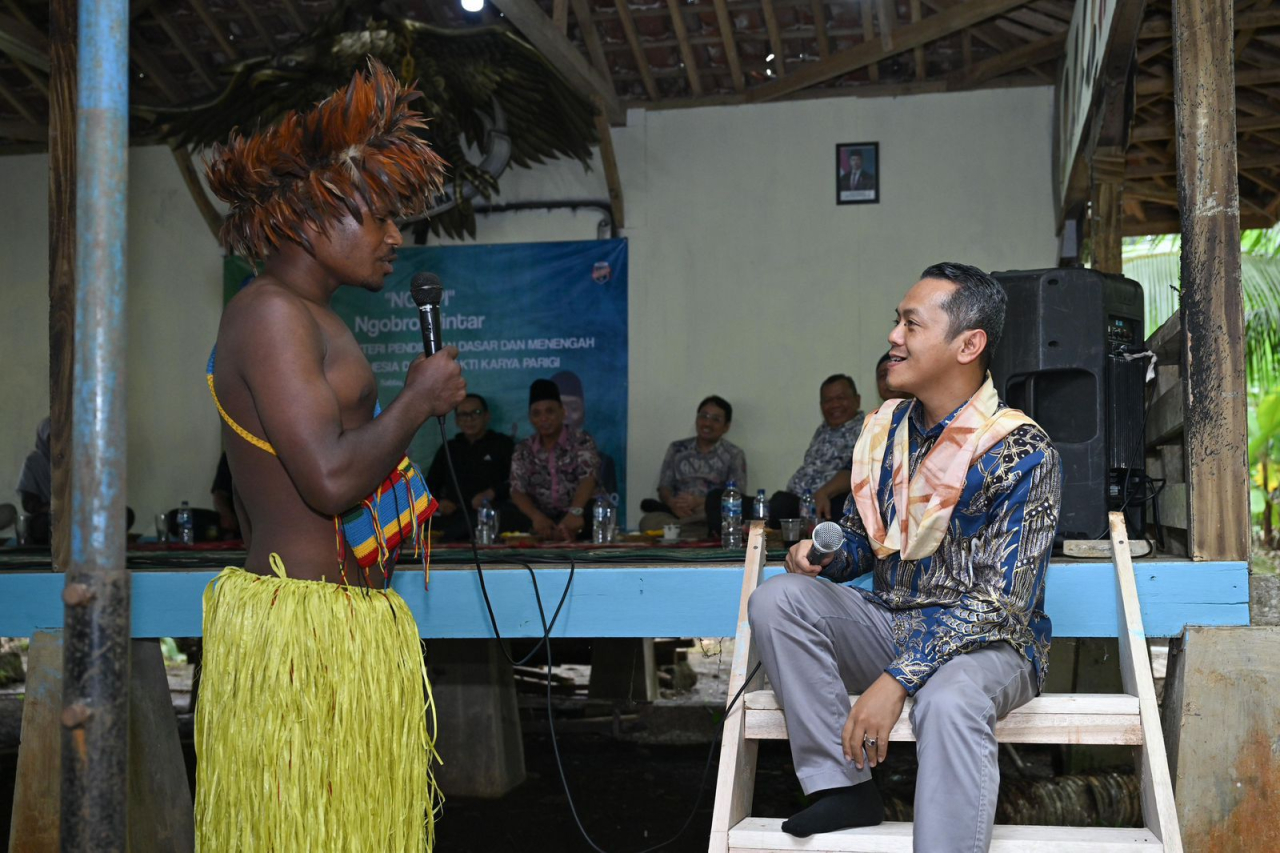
478, 723
1108, 215
1212, 307
1221, 715
62, 263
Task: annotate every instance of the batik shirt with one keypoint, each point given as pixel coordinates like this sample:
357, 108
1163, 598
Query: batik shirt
829, 452
985, 583
551, 477
688, 471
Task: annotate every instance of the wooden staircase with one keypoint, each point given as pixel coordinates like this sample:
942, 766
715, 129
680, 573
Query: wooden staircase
1129, 718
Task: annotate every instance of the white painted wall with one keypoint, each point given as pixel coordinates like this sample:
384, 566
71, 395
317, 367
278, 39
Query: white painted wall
746, 279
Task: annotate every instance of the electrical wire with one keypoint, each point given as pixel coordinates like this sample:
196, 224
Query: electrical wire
545, 642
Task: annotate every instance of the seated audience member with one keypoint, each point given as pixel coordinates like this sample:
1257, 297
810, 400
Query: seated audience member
575, 415
35, 488
694, 473
825, 469
882, 382
223, 492
553, 472
482, 459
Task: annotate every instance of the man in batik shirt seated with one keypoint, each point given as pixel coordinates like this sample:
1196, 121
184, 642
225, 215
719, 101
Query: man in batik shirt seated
553, 472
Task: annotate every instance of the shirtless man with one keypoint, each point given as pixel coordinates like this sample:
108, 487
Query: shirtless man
311, 728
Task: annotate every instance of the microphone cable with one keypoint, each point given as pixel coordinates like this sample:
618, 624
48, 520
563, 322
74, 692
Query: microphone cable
545, 642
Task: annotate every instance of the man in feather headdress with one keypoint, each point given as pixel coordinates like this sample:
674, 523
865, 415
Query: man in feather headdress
311, 727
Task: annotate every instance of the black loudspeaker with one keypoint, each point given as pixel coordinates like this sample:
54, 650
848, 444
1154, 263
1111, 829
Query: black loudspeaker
1061, 359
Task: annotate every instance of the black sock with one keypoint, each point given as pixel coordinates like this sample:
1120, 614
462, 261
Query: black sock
838, 808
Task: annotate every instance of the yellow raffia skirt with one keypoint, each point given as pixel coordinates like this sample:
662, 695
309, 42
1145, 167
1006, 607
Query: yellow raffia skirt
311, 726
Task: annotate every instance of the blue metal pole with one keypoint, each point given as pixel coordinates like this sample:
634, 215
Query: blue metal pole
95, 694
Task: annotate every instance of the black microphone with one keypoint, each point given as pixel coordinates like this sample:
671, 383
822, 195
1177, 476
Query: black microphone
427, 292
827, 538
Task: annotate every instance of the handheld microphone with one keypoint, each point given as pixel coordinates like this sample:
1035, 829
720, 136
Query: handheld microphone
827, 538
427, 292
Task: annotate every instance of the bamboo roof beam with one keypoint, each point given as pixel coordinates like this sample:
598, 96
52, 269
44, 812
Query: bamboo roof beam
886, 14
291, 8
775, 40
20, 106
23, 42
560, 16
256, 22
216, 31
637, 50
725, 22
918, 50
868, 30
150, 65
591, 36
1034, 53
820, 27
930, 29
686, 49
184, 47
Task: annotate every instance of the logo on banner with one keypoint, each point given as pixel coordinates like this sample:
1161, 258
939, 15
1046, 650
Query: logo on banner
601, 272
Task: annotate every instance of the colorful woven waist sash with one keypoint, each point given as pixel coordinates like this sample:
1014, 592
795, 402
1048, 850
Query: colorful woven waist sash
312, 723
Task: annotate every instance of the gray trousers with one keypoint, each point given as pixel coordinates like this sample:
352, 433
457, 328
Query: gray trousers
820, 641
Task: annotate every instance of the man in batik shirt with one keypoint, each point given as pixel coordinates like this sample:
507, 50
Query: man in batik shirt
553, 472
824, 473
956, 615
695, 472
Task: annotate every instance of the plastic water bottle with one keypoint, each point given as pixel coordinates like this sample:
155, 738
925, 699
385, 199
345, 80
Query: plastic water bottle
186, 526
602, 520
486, 524
808, 511
762, 506
731, 516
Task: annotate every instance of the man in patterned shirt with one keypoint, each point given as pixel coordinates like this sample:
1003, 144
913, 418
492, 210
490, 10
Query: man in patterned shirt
553, 472
956, 615
825, 469
695, 472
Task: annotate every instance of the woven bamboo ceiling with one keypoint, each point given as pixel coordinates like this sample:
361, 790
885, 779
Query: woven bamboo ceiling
662, 54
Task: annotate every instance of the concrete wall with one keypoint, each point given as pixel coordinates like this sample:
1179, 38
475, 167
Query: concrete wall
747, 280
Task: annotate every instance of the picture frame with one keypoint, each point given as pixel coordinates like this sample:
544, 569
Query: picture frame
858, 173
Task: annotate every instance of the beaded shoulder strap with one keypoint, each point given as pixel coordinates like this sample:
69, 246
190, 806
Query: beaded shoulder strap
261, 444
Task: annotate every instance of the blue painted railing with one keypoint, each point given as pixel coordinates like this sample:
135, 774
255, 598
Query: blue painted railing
653, 601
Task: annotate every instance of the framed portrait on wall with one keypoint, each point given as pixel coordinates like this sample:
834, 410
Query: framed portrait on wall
858, 173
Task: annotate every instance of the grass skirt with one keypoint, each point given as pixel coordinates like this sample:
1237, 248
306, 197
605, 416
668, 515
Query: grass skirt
311, 725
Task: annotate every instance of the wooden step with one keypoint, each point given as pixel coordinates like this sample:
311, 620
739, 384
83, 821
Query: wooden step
760, 834
1077, 718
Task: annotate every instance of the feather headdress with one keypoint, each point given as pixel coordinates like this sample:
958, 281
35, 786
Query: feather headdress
311, 167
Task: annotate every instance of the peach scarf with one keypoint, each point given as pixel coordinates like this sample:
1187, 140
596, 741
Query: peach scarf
932, 494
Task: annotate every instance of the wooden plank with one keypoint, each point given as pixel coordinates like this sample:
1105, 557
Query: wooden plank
1064, 718
291, 7
609, 160
736, 773
62, 266
686, 49
1164, 417
868, 53
1097, 549
534, 25
819, 11
24, 130
659, 600
775, 40
157, 74
1166, 341
1164, 85
1108, 188
756, 834
1221, 717
623, 669
637, 51
1163, 28
256, 22
725, 23
1212, 303
560, 16
158, 786
1158, 807
36, 791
